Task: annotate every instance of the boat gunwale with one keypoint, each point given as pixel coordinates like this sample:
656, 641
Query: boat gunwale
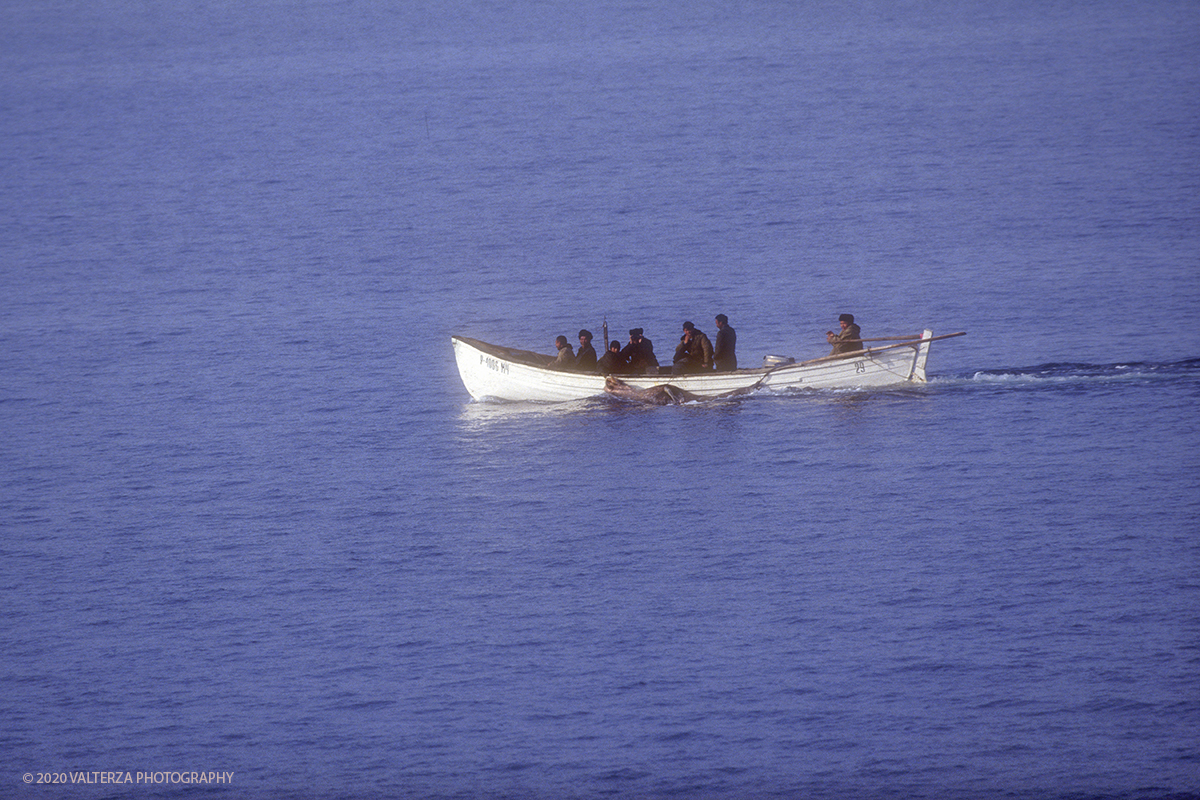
536, 360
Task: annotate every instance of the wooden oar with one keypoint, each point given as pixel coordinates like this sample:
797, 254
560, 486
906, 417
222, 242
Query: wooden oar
868, 351
887, 339
915, 337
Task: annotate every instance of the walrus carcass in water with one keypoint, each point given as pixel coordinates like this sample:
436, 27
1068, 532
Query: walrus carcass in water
656, 395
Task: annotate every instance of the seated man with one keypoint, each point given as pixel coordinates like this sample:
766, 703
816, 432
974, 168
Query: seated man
610, 363
638, 355
585, 359
848, 340
694, 353
566, 356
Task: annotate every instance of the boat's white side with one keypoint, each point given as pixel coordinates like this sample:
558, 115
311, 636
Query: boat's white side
498, 373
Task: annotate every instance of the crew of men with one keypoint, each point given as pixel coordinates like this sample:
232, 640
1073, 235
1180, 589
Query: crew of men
694, 353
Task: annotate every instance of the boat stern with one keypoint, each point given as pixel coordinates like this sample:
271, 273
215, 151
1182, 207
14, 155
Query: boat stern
922, 355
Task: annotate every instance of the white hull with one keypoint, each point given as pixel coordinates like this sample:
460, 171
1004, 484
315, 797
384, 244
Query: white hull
498, 373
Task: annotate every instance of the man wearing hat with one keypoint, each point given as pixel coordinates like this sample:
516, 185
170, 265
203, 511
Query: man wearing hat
638, 355
610, 363
694, 353
847, 341
585, 359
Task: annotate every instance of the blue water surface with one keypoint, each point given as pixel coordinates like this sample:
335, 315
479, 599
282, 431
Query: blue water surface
252, 522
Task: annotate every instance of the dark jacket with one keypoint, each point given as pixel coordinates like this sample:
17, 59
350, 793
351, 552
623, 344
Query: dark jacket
702, 350
840, 343
724, 354
585, 359
694, 354
639, 358
610, 364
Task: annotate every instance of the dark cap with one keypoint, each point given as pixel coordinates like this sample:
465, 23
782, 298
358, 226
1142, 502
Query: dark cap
846, 318
687, 326
721, 318
585, 334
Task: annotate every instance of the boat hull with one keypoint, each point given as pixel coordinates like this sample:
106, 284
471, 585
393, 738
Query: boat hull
490, 372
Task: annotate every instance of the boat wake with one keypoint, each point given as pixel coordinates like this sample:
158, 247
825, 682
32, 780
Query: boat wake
1071, 374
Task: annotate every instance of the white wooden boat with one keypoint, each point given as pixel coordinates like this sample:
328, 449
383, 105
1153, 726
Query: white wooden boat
491, 372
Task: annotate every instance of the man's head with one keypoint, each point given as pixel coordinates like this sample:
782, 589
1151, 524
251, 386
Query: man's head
561, 342
722, 320
585, 337
846, 320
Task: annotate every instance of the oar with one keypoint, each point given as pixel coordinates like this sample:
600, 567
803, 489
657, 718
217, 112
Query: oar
907, 343
887, 339
913, 338
917, 340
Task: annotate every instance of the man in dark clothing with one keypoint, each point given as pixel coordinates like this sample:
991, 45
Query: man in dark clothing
847, 341
638, 355
724, 353
610, 363
585, 359
694, 353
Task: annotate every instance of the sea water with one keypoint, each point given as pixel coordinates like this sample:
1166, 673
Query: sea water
253, 524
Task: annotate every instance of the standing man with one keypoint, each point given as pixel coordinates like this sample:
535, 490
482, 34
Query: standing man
848, 340
724, 354
585, 359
